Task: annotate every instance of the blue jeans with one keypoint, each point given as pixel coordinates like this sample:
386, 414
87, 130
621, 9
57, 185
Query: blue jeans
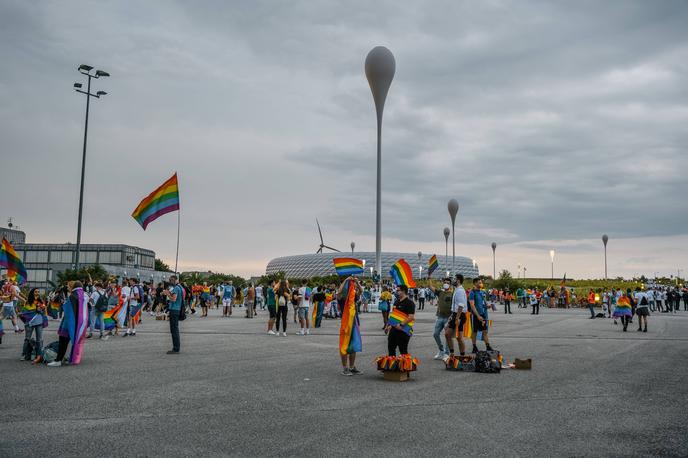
174, 329
440, 323
592, 310
39, 337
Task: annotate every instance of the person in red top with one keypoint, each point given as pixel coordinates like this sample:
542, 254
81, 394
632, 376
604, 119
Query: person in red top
591, 303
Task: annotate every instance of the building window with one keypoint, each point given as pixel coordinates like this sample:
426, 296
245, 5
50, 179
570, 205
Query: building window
36, 275
36, 256
61, 257
88, 257
147, 261
110, 257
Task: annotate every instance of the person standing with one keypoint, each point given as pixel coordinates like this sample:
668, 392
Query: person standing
444, 312
384, 305
260, 300
591, 303
135, 305
250, 301
507, 301
227, 298
272, 307
642, 309
396, 336
349, 331
304, 303
455, 325
11, 294
73, 326
100, 305
476, 301
535, 302
421, 299
685, 300
283, 297
32, 313
175, 297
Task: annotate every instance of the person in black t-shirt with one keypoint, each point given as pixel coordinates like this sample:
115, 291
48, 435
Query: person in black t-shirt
395, 336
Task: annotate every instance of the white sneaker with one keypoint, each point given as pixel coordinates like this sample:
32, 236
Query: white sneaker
55, 364
308, 332
284, 334
445, 358
439, 355
301, 333
271, 332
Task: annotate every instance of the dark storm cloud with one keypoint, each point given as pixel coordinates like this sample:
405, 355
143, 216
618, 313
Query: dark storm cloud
546, 120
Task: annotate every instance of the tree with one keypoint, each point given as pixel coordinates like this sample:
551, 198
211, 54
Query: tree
160, 266
96, 273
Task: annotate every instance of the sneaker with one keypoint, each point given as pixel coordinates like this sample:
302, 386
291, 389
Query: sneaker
300, 333
308, 332
105, 337
445, 358
89, 335
355, 371
347, 372
133, 333
284, 334
475, 349
55, 364
645, 330
271, 332
439, 355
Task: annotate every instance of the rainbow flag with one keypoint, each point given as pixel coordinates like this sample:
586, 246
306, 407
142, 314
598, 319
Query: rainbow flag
347, 266
396, 316
10, 261
163, 200
468, 328
317, 313
109, 319
623, 307
74, 324
349, 332
402, 274
54, 309
433, 264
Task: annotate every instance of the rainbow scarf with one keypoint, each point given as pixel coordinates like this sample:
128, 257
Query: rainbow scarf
468, 328
163, 200
396, 317
74, 323
349, 332
402, 274
10, 261
347, 266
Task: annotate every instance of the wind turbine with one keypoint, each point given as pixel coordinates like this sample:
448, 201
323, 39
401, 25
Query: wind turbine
322, 243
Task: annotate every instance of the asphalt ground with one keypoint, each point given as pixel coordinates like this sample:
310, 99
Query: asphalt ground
233, 390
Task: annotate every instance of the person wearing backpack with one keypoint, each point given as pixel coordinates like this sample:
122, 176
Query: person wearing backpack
100, 306
175, 297
642, 309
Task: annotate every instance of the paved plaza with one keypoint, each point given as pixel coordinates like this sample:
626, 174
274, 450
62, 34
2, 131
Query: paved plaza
593, 391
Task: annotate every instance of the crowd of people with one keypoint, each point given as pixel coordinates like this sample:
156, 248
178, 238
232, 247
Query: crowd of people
117, 307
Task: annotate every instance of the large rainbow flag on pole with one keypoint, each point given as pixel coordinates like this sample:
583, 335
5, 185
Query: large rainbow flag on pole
433, 264
402, 274
163, 200
347, 266
349, 332
10, 260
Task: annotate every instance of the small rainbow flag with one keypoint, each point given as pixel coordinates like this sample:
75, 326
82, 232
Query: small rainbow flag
433, 264
10, 261
398, 317
347, 266
402, 274
163, 200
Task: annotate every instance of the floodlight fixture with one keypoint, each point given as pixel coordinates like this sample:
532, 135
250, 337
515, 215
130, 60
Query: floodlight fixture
85, 68
77, 85
100, 73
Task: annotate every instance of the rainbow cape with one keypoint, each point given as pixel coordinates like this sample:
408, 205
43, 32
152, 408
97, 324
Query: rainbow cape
396, 316
10, 261
317, 313
349, 332
109, 318
623, 307
402, 274
347, 266
74, 324
468, 328
163, 200
433, 264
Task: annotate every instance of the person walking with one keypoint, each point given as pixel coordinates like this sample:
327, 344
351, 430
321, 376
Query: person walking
11, 295
271, 303
175, 297
641, 309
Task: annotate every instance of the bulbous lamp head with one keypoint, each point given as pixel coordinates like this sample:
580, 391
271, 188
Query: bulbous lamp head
446, 233
494, 246
453, 207
420, 255
605, 239
379, 69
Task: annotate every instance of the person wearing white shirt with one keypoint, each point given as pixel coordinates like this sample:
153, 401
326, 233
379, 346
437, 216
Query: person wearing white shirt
641, 309
458, 318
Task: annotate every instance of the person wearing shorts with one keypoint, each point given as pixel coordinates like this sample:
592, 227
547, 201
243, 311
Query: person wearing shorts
227, 297
457, 318
11, 294
304, 298
642, 309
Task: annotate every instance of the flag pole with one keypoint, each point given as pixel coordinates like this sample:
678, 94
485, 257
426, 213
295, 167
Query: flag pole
179, 210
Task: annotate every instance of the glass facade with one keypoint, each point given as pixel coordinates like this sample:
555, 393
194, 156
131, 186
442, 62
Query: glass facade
320, 264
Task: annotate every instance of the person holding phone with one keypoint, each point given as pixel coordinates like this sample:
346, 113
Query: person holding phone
175, 297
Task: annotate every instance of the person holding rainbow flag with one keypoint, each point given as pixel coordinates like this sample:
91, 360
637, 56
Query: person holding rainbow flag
349, 332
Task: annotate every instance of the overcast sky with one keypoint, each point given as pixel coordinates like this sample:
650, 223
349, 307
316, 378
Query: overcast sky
551, 123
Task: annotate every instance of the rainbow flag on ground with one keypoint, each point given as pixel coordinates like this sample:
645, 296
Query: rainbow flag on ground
163, 200
349, 332
433, 264
468, 328
10, 261
398, 317
347, 266
402, 274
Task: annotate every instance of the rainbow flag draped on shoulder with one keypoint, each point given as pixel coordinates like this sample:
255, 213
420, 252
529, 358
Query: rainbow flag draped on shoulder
349, 332
396, 316
623, 307
402, 274
433, 264
163, 200
10, 261
74, 324
347, 266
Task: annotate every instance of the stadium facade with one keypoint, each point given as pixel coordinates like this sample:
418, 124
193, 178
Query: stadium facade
320, 264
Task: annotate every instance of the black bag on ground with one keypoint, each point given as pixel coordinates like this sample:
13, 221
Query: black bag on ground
487, 362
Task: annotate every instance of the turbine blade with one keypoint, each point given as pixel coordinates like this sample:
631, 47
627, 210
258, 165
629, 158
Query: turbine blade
319, 231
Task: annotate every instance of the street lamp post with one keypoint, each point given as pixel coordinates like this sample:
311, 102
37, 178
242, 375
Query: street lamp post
379, 69
353, 245
453, 207
605, 239
494, 261
420, 272
364, 263
551, 256
524, 272
85, 70
518, 272
446, 245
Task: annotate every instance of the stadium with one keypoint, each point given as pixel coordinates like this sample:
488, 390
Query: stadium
320, 264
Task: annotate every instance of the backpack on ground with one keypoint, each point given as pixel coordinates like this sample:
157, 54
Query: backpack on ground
487, 362
50, 352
